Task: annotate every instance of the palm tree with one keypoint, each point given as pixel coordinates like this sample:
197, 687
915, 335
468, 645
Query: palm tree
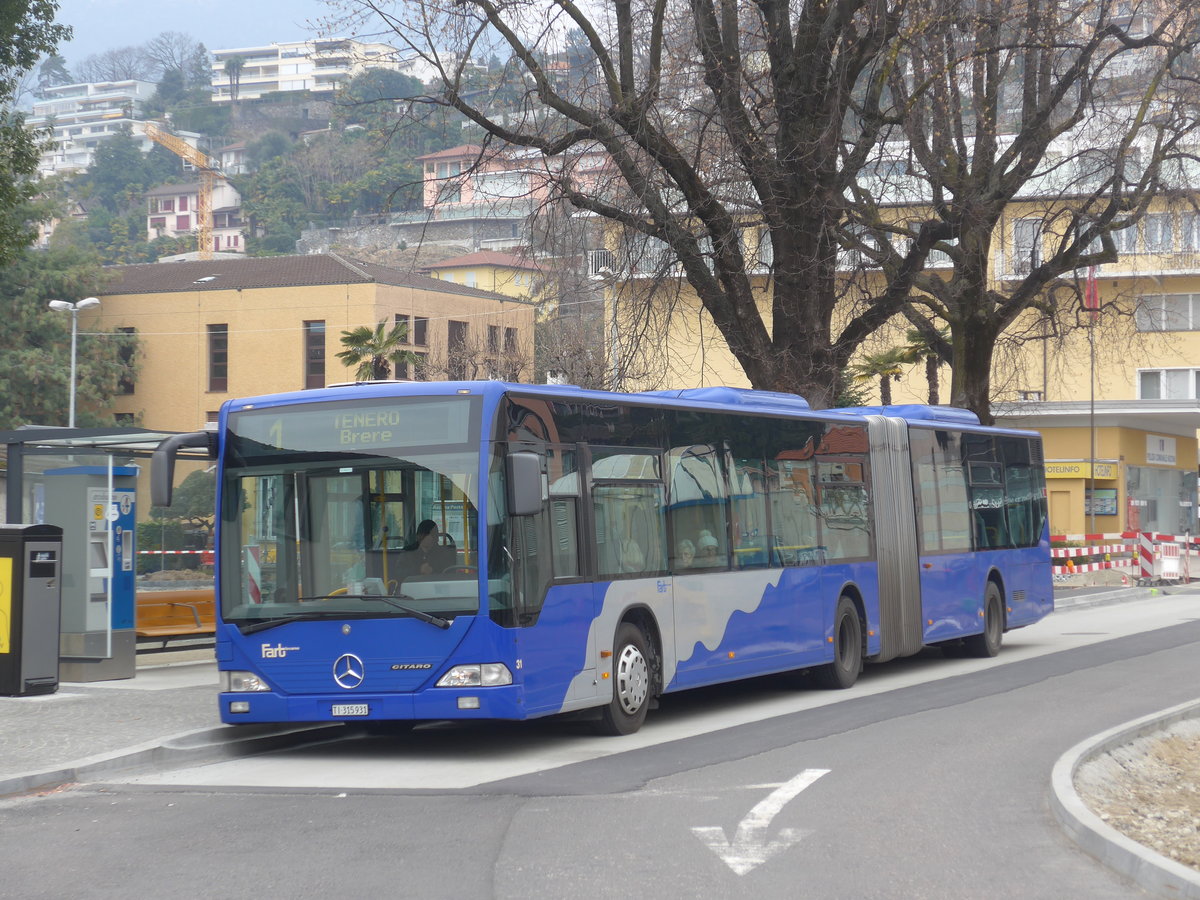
931, 351
885, 366
374, 350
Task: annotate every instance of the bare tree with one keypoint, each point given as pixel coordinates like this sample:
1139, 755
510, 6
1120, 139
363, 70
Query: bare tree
172, 50
1039, 132
727, 126
121, 64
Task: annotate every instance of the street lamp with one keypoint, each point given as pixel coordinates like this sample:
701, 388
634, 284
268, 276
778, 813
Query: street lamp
73, 308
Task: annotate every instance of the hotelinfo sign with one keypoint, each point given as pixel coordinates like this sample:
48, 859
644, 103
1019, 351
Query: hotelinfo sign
1080, 468
1160, 451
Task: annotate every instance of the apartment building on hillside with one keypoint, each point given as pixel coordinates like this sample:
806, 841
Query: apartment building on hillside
171, 212
81, 116
317, 66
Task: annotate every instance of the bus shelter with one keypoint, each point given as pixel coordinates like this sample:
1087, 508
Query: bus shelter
85, 480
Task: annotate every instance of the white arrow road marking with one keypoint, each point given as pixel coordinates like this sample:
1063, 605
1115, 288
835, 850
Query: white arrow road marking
750, 846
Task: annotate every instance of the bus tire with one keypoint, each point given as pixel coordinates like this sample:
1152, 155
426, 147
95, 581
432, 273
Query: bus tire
988, 643
632, 683
847, 648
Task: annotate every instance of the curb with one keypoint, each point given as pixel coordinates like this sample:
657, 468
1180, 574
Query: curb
1148, 869
185, 748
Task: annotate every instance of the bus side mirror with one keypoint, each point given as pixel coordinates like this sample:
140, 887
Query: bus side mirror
524, 484
162, 464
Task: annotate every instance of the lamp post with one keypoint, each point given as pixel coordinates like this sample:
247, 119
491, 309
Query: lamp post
73, 309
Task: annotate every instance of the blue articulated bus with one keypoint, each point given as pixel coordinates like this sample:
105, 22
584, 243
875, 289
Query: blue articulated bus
415, 551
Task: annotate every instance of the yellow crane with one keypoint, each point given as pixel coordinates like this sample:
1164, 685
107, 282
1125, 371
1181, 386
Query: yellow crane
206, 168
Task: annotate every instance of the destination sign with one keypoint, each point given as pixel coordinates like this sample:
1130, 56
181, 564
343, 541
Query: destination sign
397, 422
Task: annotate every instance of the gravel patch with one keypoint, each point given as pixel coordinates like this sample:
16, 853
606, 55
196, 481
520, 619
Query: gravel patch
1149, 790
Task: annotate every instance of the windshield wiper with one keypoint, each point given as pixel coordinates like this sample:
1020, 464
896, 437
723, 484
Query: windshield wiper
264, 624
390, 601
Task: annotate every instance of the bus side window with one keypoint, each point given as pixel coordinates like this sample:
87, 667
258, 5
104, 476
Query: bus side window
748, 502
564, 539
697, 509
630, 529
796, 539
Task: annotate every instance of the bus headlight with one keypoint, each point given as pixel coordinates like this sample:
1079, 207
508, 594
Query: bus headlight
242, 682
484, 675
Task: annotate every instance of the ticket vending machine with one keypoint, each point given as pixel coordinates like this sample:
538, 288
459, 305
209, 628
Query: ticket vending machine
95, 506
30, 581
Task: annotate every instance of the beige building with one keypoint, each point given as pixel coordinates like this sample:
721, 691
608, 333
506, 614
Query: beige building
212, 330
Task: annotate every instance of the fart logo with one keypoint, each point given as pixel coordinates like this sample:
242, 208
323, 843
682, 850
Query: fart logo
277, 652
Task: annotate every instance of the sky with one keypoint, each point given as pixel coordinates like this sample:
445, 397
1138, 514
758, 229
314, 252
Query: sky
218, 24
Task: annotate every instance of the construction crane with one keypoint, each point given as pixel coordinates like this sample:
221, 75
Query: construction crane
207, 170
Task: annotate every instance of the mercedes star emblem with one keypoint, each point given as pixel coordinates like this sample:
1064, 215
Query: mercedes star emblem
348, 671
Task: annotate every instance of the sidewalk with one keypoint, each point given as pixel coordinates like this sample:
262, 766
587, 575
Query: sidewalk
169, 709
172, 694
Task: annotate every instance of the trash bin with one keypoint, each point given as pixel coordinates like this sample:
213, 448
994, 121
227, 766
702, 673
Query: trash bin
30, 592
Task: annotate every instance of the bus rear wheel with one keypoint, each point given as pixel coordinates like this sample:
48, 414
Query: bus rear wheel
988, 644
847, 648
632, 683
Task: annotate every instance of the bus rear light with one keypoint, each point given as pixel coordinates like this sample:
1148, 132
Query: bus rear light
242, 682
485, 675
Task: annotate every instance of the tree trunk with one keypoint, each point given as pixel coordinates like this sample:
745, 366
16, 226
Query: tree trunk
972, 379
931, 378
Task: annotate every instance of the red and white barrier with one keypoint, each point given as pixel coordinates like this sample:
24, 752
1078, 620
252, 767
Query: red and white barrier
1155, 556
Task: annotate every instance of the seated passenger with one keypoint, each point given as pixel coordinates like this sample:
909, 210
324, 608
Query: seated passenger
685, 554
429, 556
708, 551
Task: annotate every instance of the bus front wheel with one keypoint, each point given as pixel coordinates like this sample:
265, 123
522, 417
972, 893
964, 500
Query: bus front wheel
631, 677
988, 643
847, 648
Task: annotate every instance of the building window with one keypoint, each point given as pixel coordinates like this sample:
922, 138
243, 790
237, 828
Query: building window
314, 354
125, 420
420, 332
1126, 240
218, 357
126, 349
1027, 245
1168, 384
1030, 395
457, 351
159, 224
183, 223
469, 278
1167, 312
493, 344
510, 340
1189, 231
1159, 236
400, 361
183, 204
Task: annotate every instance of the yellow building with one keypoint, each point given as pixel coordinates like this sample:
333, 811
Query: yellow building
1140, 362
490, 270
1116, 466
212, 330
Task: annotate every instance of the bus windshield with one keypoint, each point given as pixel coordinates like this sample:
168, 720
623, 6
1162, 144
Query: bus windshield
377, 532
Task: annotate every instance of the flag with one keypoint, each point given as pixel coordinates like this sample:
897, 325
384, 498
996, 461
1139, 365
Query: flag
1091, 294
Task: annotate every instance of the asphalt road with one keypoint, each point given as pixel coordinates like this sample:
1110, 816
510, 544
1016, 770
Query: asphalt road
928, 780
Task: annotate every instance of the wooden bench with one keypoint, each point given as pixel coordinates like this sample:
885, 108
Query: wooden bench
168, 614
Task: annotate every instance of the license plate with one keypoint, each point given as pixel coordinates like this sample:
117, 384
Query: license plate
351, 709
